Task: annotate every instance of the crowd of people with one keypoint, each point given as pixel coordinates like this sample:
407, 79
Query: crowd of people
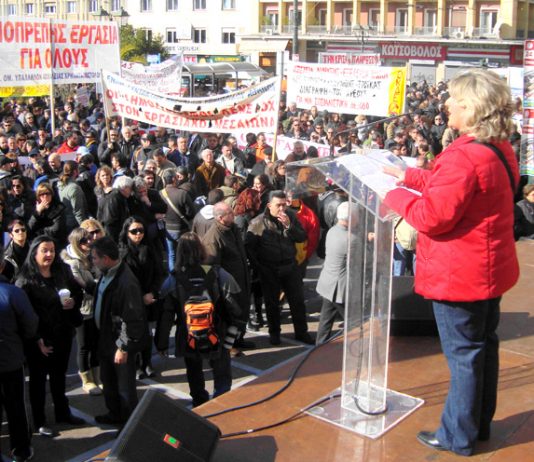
107, 223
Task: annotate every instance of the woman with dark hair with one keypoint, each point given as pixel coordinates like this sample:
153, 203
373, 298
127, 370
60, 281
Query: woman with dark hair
72, 196
263, 185
49, 216
190, 274
76, 255
138, 253
524, 214
16, 250
56, 299
279, 175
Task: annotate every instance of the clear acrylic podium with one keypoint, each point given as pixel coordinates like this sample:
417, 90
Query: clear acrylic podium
365, 405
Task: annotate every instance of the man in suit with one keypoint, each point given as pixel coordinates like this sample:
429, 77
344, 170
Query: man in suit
332, 281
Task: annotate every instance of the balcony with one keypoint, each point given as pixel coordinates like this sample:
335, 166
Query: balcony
431, 31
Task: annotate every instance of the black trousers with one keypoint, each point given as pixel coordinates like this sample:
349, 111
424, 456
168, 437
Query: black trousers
12, 400
86, 338
120, 393
222, 377
288, 279
55, 366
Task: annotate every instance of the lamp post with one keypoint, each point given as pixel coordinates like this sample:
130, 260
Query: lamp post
121, 17
102, 14
295, 48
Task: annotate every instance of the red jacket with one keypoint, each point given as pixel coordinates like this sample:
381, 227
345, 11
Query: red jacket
465, 248
310, 224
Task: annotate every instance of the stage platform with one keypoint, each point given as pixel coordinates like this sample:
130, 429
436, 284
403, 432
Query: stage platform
417, 368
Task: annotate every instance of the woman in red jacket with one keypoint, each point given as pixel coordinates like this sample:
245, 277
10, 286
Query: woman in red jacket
466, 256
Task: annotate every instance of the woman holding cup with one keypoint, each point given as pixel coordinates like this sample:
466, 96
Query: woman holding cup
56, 298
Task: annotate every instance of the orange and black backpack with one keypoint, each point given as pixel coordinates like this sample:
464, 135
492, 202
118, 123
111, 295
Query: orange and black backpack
199, 311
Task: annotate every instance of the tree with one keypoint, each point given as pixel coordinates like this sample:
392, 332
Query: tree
136, 44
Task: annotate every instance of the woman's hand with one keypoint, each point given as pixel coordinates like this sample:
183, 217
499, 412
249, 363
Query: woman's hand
43, 204
396, 172
45, 350
68, 304
148, 299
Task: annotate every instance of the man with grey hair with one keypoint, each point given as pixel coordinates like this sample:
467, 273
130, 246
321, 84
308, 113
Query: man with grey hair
332, 282
209, 175
113, 209
224, 246
299, 153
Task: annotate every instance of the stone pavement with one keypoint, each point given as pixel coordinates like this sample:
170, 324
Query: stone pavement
77, 444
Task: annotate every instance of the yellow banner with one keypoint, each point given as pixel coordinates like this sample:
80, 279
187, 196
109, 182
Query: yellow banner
397, 89
34, 90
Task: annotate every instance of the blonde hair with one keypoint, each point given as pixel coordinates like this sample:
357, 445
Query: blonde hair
91, 223
488, 104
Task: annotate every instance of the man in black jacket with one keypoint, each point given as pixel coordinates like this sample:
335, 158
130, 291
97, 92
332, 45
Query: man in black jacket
270, 244
120, 317
19, 322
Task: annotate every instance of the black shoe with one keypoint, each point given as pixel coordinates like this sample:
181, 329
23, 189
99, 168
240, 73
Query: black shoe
109, 419
244, 344
430, 441
305, 338
71, 420
150, 372
47, 431
254, 327
274, 339
140, 374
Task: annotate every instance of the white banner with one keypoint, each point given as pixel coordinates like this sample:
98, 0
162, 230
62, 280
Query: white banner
162, 78
75, 51
284, 145
347, 89
252, 109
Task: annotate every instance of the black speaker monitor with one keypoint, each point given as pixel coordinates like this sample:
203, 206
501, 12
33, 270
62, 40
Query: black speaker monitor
162, 430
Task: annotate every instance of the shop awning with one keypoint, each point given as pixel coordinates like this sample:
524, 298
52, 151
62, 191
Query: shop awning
242, 69
263, 45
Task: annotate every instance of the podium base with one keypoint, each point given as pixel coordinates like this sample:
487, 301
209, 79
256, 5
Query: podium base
399, 406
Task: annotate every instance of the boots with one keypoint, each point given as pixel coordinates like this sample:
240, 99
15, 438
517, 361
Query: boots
88, 384
96, 377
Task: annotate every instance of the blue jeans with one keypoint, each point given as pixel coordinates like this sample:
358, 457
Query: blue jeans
467, 331
172, 239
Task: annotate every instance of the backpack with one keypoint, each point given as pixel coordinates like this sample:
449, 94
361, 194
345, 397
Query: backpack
199, 313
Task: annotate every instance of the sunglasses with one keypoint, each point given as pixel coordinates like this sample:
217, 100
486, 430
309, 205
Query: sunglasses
94, 232
136, 231
45, 194
19, 230
84, 241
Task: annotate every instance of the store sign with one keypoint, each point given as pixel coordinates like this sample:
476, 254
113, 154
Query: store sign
372, 59
412, 51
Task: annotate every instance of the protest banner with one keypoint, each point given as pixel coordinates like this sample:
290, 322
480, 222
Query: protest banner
347, 89
368, 59
16, 92
284, 145
162, 78
40, 51
250, 109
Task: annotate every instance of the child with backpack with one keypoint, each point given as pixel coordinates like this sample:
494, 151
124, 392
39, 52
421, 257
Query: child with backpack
201, 300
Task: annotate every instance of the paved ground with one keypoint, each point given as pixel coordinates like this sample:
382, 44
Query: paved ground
82, 443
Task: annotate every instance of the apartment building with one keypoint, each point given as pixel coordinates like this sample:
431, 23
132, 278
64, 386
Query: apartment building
434, 38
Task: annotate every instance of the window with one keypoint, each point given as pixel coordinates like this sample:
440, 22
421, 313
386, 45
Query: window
373, 20
11, 10
347, 16
50, 8
228, 4
199, 5
146, 5
322, 16
71, 7
28, 9
199, 35
93, 6
172, 36
115, 5
228, 36
172, 5
291, 16
488, 20
401, 20
148, 34
271, 17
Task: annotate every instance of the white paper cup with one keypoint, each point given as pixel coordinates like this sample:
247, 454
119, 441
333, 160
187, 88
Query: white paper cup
64, 295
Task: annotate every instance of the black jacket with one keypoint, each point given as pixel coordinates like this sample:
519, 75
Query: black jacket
113, 210
181, 200
123, 323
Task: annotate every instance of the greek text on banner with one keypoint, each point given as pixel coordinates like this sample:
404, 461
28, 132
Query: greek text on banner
346, 88
251, 109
